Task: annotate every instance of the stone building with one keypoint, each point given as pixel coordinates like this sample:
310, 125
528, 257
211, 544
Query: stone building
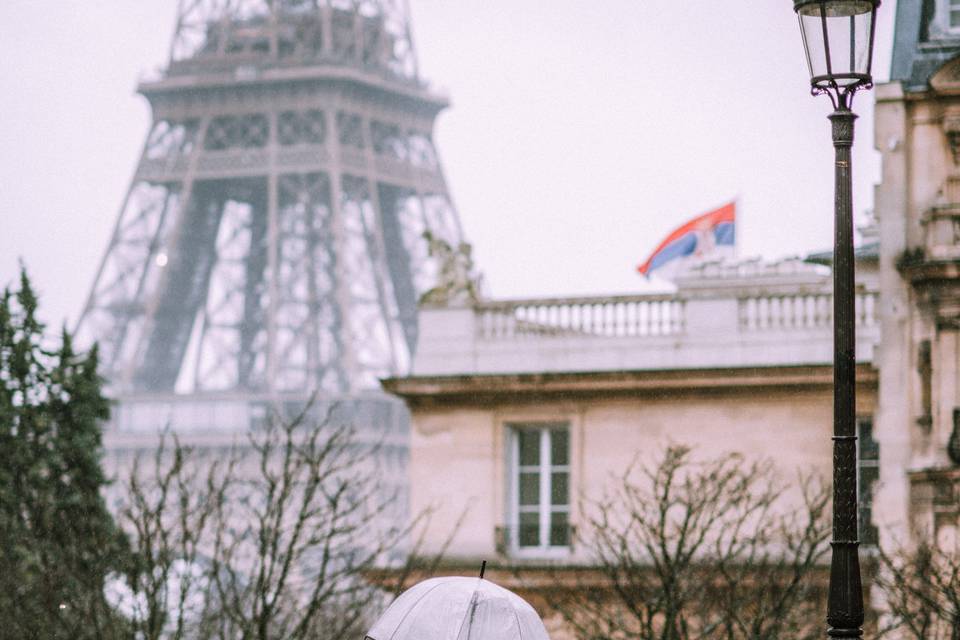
569, 391
918, 207
738, 358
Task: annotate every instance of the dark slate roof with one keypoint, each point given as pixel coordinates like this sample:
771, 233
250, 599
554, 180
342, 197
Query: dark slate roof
864, 253
915, 56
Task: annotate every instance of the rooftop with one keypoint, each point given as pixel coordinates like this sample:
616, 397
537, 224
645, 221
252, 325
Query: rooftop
722, 316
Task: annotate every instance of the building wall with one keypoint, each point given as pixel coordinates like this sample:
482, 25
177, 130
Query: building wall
918, 206
895, 357
458, 457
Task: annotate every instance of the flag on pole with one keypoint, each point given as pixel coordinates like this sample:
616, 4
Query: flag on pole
706, 237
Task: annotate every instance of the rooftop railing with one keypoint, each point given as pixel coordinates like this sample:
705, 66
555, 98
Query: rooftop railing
641, 315
653, 315
739, 326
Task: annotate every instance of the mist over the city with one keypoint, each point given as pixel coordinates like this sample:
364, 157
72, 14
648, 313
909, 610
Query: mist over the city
432, 320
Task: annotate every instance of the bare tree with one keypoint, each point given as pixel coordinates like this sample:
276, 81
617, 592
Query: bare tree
920, 592
170, 505
684, 550
286, 537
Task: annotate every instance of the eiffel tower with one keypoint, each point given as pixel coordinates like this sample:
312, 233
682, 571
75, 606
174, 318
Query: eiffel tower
272, 241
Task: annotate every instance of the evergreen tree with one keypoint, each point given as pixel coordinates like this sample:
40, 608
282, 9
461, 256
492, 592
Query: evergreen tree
58, 542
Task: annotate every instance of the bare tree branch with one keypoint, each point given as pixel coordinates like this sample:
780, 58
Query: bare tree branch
287, 537
685, 549
920, 589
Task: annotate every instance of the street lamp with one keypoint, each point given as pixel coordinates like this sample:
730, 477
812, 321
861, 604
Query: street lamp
838, 41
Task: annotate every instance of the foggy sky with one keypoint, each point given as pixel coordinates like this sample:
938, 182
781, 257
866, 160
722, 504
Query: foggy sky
580, 132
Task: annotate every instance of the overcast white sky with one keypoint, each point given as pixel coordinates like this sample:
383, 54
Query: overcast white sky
580, 133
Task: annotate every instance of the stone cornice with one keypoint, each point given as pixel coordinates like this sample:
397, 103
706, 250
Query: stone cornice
478, 389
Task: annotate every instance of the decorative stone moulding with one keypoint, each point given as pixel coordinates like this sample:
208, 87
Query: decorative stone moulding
942, 230
946, 80
951, 129
953, 444
934, 505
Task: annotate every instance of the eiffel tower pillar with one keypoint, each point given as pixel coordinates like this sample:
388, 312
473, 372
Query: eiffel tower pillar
271, 244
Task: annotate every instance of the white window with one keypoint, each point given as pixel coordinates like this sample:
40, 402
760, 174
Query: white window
868, 475
946, 20
539, 488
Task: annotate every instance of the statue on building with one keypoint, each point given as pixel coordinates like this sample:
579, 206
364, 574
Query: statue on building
457, 282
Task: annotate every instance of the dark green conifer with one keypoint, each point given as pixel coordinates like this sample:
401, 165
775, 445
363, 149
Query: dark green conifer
58, 541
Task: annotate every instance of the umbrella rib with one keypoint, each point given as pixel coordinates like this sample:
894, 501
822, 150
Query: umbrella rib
410, 610
470, 606
519, 626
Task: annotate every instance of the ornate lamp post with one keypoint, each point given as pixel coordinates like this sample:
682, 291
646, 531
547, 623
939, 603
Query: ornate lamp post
838, 40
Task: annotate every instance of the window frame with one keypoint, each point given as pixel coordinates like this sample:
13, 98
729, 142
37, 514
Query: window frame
941, 26
867, 532
545, 470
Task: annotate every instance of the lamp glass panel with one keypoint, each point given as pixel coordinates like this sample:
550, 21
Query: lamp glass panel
849, 45
813, 44
848, 27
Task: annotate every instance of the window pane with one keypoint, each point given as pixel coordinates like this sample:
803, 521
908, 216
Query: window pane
869, 448
529, 534
529, 488
954, 18
529, 447
559, 447
867, 482
559, 529
559, 488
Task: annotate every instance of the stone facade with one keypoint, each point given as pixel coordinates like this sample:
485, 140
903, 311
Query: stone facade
738, 359
918, 207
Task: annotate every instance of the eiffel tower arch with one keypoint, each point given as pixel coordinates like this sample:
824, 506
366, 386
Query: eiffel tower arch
272, 243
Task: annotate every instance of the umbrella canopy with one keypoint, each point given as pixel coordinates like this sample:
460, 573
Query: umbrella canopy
458, 609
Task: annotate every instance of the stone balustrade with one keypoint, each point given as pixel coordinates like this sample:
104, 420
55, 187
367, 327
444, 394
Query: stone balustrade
800, 311
687, 329
652, 315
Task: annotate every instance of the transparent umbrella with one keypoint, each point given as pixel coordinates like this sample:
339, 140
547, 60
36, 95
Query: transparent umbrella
458, 609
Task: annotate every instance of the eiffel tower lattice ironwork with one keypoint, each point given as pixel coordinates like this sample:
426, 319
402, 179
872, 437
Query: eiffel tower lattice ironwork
273, 236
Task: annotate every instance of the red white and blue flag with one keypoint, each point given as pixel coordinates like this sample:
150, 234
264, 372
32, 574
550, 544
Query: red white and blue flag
706, 237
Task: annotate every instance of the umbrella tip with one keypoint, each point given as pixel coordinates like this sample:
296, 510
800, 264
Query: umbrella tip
483, 567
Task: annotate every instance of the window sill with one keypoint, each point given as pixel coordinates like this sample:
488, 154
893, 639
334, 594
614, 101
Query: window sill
540, 553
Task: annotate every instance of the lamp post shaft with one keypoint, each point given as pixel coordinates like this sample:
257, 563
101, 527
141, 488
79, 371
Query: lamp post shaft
845, 604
